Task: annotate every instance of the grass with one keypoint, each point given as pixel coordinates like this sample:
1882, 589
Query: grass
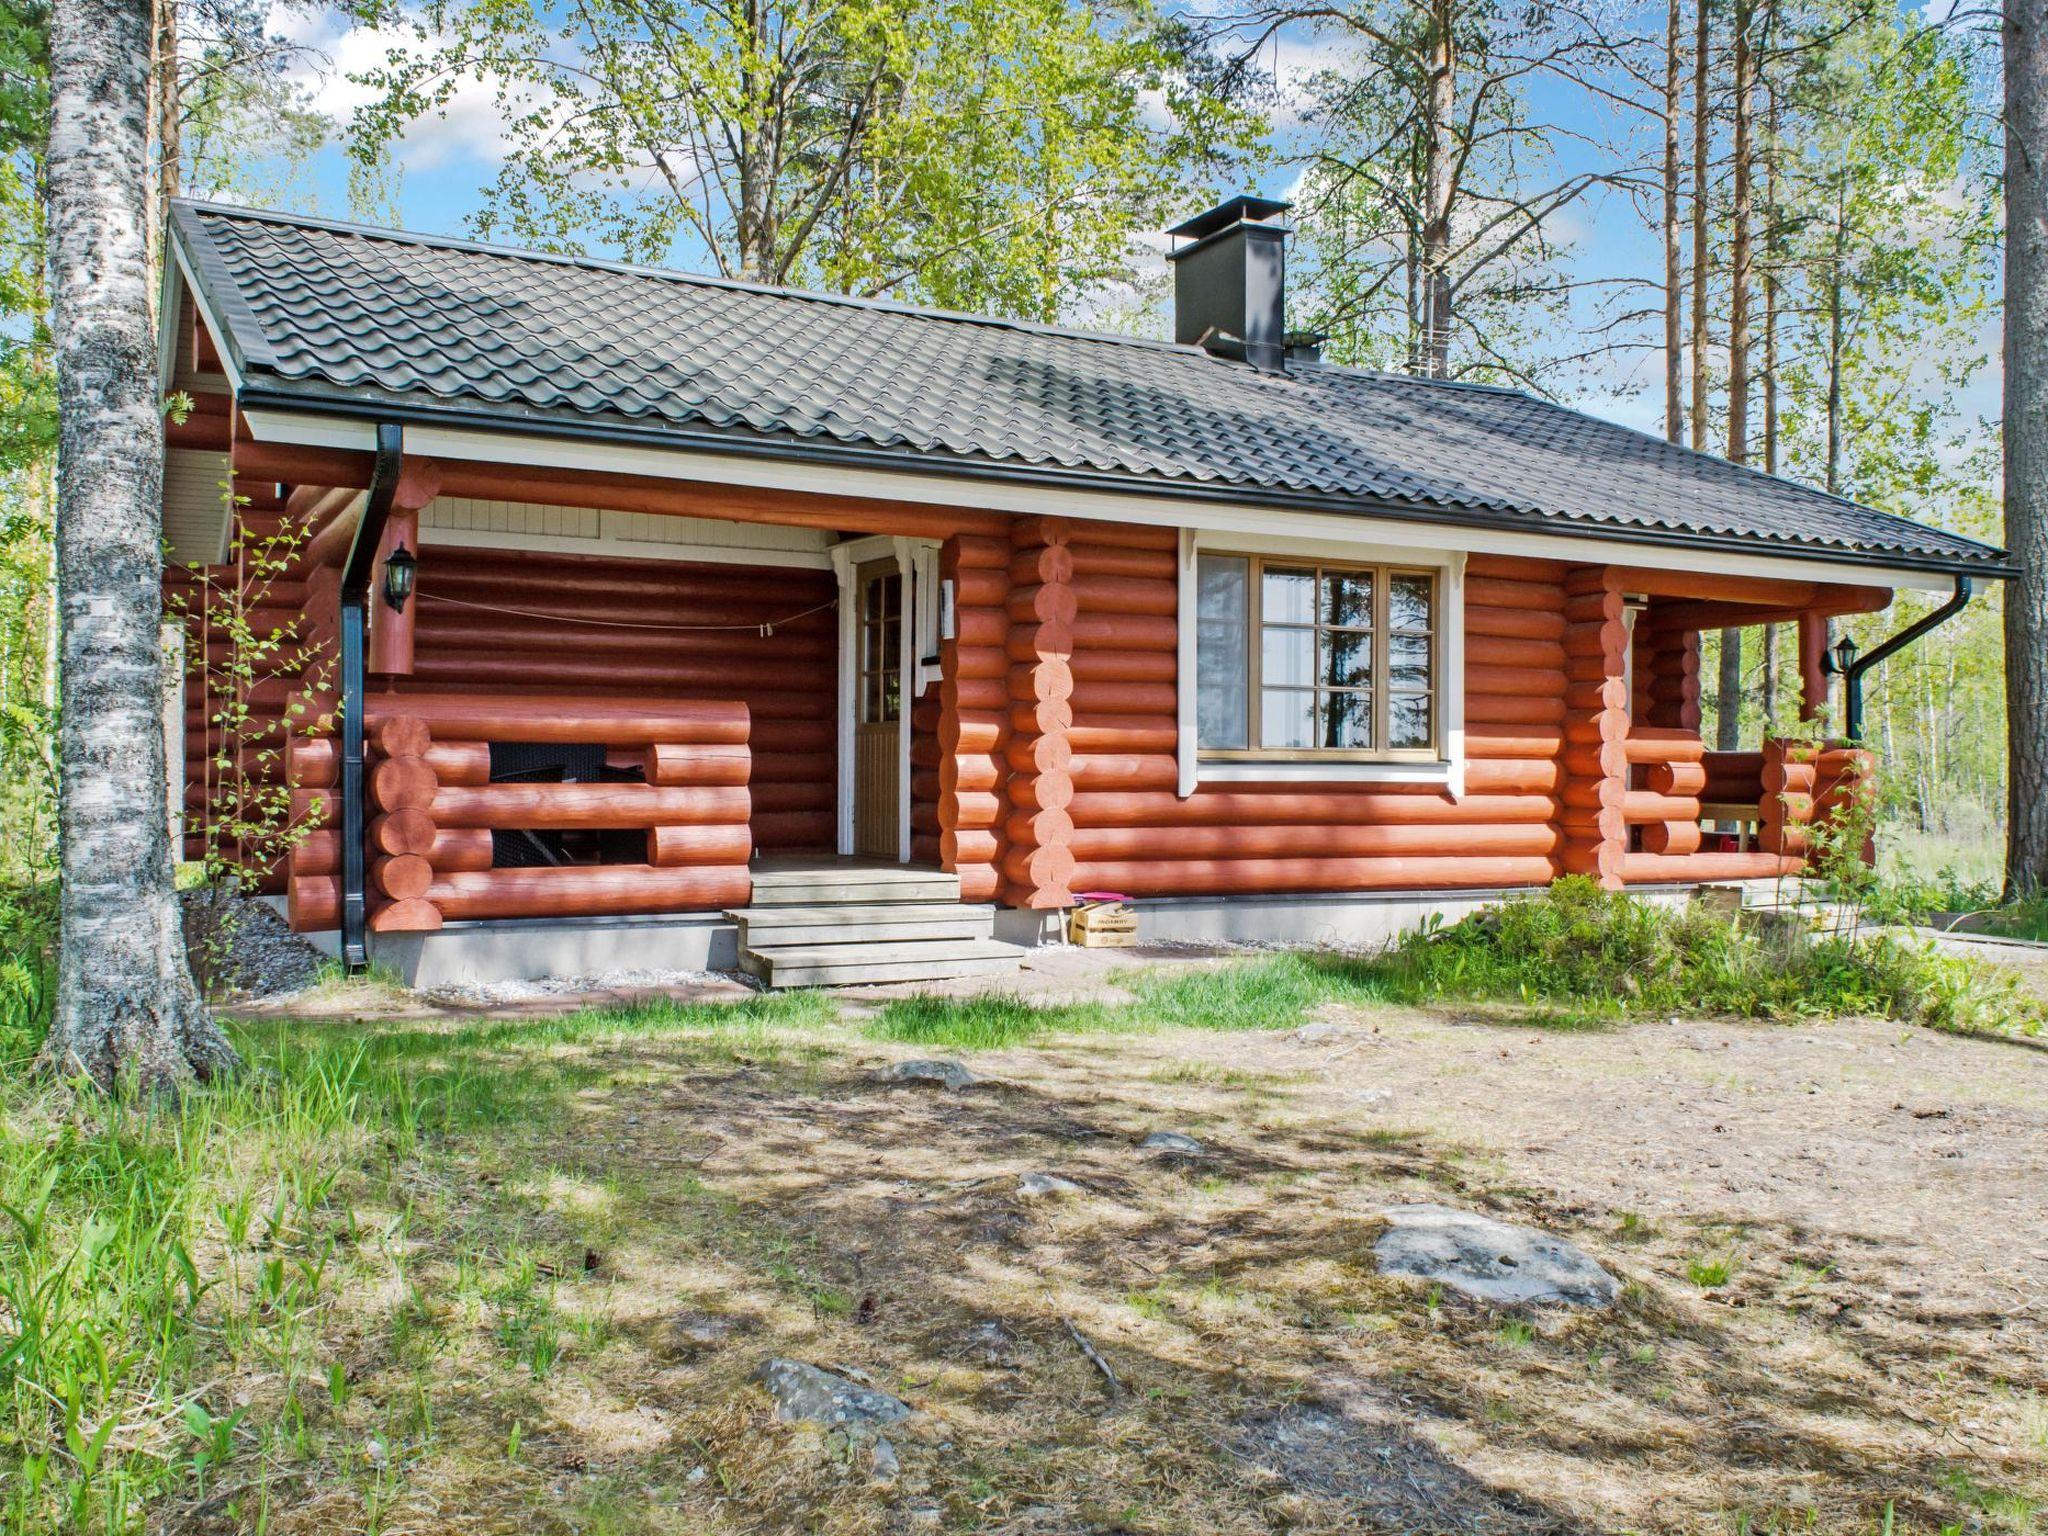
1571, 957
157, 1259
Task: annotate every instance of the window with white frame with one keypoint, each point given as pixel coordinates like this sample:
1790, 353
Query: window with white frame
1316, 658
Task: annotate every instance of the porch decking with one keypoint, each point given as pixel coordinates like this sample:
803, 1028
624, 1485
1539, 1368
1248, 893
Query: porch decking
836, 922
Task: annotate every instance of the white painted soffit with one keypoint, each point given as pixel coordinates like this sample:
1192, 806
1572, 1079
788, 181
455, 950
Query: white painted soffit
1059, 501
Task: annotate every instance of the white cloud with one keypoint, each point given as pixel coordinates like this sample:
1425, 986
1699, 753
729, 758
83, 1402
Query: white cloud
472, 126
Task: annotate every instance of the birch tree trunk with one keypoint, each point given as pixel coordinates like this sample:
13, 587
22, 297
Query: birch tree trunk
1439, 189
127, 1009
2026, 442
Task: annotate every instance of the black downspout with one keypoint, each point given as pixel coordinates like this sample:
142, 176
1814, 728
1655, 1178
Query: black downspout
1852, 681
356, 571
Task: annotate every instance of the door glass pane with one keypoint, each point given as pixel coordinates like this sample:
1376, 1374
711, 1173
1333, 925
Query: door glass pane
1408, 602
1287, 718
1287, 658
1408, 661
1348, 659
1222, 646
1287, 596
1347, 599
1347, 720
1408, 720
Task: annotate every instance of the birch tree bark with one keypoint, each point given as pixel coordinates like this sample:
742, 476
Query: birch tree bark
127, 1009
2026, 441
1728, 720
1674, 260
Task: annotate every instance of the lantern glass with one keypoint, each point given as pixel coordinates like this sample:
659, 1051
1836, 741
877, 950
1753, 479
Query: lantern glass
1845, 654
399, 568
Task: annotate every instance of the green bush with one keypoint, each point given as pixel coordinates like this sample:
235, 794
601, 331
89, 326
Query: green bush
1605, 952
28, 970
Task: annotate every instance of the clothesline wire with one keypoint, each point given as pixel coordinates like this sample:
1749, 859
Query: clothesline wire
764, 630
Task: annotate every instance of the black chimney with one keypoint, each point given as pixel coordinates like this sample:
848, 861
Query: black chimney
1230, 281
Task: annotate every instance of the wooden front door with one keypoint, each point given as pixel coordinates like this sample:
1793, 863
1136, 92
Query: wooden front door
878, 710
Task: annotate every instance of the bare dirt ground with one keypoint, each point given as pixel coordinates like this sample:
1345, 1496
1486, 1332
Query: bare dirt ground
1833, 1240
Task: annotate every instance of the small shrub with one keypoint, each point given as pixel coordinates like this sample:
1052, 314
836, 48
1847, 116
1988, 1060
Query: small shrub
1608, 952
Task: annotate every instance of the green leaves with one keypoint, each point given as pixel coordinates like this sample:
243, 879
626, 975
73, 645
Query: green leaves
990, 155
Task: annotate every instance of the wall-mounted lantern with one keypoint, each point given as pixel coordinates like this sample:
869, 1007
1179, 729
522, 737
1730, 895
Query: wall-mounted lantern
399, 568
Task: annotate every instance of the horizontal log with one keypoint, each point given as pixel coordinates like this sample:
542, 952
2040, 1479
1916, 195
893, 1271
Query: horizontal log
1124, 667
673, 847
1513, 651
1119, 594
314, 762
1513, 709
1703, 867
1672, 838
1125, 631
602, 890
1496, 592
1124, 770
1656, 744
1541, 624
546, 717
1516, 567
721, 765
550, 807
1104, 844
319, 852
1122, 733
1280, 876
793, 829
1314, 808
979, 882
807, 795
1675, 778
975, 847
1095, 558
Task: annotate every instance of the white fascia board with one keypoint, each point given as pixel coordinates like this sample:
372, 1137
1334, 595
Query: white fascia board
167, 355
1349, 530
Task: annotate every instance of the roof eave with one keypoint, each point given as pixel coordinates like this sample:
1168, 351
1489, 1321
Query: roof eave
291, 395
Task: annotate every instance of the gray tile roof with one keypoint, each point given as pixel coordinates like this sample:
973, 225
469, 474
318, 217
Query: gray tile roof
325, 311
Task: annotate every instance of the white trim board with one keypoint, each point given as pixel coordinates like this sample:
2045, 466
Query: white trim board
937, 489
1449, 770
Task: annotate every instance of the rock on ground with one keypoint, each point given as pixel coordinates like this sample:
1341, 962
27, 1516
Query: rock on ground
1489, 1260
1041, 1186
241, 945
1173, 1142
804, 1393
949, 1075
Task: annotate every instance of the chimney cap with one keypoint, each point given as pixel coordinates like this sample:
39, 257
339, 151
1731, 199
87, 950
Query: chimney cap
1223, 215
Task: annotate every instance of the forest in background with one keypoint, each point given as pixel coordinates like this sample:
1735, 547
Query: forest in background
1765, 229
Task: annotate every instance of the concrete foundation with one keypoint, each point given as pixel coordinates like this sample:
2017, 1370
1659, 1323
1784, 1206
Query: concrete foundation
525, 948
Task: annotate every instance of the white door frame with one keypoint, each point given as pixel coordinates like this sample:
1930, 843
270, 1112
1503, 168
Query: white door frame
917, 559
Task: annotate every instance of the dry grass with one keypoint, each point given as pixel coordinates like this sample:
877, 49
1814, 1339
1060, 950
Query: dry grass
549, 1323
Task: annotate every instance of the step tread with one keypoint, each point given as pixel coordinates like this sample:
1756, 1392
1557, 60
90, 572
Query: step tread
888, 950
854, 894
781, 973
853, 912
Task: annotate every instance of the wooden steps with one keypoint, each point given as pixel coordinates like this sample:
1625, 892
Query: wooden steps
859, 925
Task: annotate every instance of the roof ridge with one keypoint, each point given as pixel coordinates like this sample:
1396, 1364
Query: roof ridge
671, 274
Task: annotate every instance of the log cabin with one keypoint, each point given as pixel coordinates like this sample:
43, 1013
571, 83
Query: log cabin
608, 615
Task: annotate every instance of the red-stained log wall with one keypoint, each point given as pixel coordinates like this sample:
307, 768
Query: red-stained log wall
498, 621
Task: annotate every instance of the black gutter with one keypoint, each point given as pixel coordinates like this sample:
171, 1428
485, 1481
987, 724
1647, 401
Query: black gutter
1852, 681
1038, 476
356, 571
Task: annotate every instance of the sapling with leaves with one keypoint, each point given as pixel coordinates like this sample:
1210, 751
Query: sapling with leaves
250, 824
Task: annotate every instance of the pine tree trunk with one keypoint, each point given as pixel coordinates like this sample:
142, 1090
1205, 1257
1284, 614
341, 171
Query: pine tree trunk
127, 1010
2026, 441
1674, 260
1728, 720
1702, 255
